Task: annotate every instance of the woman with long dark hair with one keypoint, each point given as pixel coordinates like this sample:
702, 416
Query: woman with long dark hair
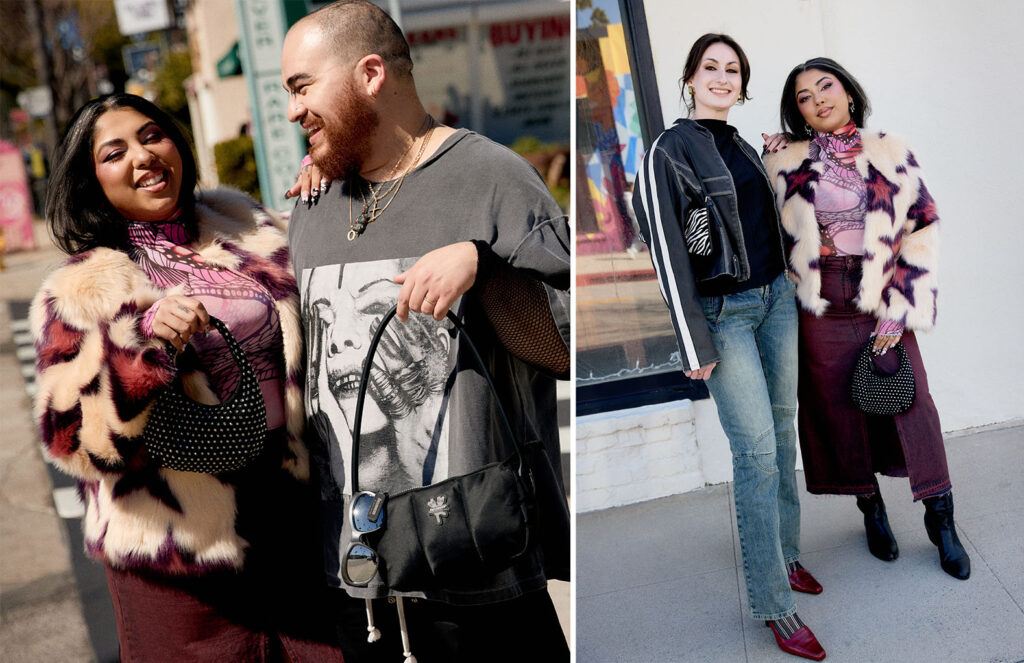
735, 319
201, 566
864, 253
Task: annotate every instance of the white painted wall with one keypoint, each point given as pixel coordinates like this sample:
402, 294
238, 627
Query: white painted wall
943, 73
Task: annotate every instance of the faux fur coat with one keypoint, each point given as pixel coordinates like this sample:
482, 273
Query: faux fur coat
97, 377
901, 240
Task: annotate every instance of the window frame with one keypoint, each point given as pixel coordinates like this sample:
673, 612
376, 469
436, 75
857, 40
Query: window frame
633, 392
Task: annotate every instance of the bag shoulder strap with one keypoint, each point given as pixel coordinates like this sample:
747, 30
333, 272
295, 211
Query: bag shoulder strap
365, 378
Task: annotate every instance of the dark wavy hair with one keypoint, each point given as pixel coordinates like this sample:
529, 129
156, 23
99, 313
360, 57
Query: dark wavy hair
77, 210
789, 113
697, 52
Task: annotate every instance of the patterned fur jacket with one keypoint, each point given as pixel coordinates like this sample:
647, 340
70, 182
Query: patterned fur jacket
901, 240
97, 377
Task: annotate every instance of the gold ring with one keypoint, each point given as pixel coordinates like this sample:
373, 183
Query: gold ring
429, 301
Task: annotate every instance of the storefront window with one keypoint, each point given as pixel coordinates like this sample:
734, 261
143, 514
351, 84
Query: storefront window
623, 329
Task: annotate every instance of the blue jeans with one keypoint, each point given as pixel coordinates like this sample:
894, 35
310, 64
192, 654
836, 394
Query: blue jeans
754, 387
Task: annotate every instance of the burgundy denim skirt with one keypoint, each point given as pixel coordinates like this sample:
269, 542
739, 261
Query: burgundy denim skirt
277, 609
842, 447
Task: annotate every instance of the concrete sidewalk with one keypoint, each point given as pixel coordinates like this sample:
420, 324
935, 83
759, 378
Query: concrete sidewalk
662, 580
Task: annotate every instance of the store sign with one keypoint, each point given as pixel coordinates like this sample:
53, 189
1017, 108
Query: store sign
138, 16
533, 65
279, 149
505, 79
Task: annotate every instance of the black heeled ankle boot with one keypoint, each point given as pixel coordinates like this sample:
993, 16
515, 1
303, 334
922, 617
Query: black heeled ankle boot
881, 542
938, 520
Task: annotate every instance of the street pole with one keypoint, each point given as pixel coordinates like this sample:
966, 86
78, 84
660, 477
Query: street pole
44, 70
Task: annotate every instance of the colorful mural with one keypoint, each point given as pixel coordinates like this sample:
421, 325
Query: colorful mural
609, 141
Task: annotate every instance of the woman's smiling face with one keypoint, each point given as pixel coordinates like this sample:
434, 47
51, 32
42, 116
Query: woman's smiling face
822, 100
137, 165
717, 82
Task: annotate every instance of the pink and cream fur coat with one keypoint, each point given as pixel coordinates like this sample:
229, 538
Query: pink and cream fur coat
901, 240
97, 377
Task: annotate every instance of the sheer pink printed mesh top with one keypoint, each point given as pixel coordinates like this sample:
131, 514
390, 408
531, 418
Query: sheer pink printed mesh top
162, 250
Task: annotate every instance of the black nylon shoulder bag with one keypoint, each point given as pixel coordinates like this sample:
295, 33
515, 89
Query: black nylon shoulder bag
455, 533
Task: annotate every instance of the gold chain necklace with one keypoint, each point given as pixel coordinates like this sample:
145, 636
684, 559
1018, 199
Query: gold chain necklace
380, 199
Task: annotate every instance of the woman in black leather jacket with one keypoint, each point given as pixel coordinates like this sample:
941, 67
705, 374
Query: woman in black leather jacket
735, 319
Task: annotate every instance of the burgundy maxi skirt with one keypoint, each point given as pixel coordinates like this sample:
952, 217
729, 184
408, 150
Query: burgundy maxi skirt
843, 447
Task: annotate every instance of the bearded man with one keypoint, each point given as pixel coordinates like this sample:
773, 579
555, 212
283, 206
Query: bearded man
485, 239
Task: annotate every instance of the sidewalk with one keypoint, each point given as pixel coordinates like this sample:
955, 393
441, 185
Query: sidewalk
40, 609
662, 580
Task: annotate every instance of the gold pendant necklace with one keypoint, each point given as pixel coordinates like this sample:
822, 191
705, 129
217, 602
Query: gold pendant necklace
385, 192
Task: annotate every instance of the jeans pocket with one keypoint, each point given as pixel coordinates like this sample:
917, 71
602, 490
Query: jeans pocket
712, 307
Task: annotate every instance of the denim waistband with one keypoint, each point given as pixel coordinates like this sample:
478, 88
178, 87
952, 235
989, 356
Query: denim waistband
840, 263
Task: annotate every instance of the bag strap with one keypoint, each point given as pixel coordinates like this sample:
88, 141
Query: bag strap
245, 369
867, 355
234, 347
365, 379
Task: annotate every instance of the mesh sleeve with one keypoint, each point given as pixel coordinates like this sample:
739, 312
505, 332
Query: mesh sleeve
517, 308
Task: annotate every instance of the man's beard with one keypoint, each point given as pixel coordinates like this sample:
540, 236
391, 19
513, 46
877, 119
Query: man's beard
347, 140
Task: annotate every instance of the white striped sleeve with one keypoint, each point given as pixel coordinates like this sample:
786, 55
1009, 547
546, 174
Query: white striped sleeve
662, 203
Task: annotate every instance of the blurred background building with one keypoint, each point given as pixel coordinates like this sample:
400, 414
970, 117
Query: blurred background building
498, 67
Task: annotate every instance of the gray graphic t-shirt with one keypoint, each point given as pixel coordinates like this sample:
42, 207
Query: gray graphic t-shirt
428, 414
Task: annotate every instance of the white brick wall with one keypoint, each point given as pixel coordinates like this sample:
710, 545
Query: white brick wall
648, 452
636, 455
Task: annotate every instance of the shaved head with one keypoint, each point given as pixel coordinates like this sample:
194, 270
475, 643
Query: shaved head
353, 29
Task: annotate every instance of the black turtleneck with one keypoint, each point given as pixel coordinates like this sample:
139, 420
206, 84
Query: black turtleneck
757, 215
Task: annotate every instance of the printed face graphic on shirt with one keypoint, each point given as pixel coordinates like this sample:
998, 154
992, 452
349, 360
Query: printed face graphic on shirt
403, 433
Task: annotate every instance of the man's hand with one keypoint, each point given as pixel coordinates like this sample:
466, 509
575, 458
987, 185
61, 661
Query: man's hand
437, 279
702, 373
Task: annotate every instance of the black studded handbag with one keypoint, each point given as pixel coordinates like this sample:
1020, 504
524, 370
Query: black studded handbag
460, 531
877, 393
185, 435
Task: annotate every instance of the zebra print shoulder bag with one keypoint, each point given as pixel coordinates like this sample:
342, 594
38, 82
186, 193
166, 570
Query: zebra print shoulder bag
706, 236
